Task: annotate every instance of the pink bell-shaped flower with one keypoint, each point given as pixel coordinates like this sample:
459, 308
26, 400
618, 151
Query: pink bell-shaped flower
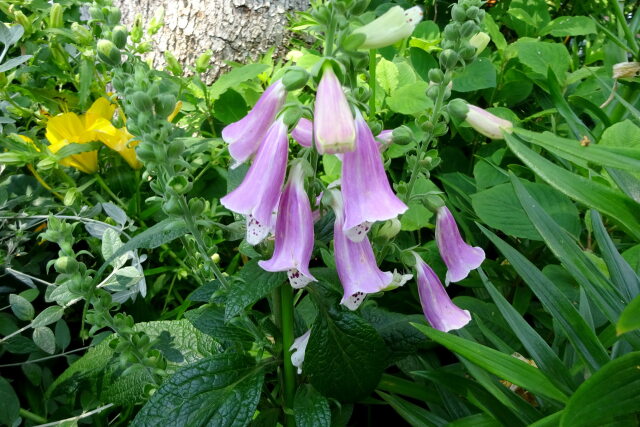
294, 232
441, 313
258, 194
303, 132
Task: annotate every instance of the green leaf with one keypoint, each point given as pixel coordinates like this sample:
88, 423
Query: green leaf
494, 32
85, 79
630, 318
345, 356
539, 56
210, 320
538, 349
21, 307
607, 395
480, 74
10, 404
387, 75
571, 149
399, 336
416, 217
622, 134
569, 26
410, 99
413, 414
595, 195
475, 420
234, 77
254, 284
222, 390
14, 62
230, 107
73, 148
578, 332
576, 125
503, 366
110, 244
310, 408
498, 207
44, 338
422, 62
47, 316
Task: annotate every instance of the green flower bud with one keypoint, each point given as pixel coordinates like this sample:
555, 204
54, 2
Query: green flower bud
452, 31
295, 78
292, 115
56, 20
468, 29
172, 206
436, 75
81, 33
70, 196
144, 151
196, 206
176, 148
24, 21
458, 13
375, 126
433, 92
172, 64
353, 41
109, 53
390, 229
136, 30
403, 135
203, 61
472, 12
180, 184
362, 94
468, 53
119, 36
113, 15
164, 104
449, 58
96, 13
66, 264
458, 109
59, 55
142, 102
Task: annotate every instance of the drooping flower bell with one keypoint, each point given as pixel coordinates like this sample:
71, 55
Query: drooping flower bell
245, 135
391, 27
355, 262
459, 257
294, 232
481, 120
257, 196
333, 125
298, 349
303, 132
440, 311
368, 197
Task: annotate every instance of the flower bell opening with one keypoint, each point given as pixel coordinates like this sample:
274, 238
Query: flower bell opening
394, 25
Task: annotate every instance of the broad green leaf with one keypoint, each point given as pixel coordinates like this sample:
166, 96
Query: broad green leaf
400, 337
47, 316
310, 408
621, 134
210, 320
14, 62
595, 195
115, 212
630, 318
44, 338
234, 77
10, 403
73, 148
475, 420
538, 349
110, 244
410, 99
222, 390
21, 307
539, 56
573, 150
578, 332
416, 217
345, 356
498, 207
607, 395
577, 126
63, 335
480, 74
230, 107
502, 365
422, 62
387, 75
569, 26
413, 414
254, 284
494, 31
627, 182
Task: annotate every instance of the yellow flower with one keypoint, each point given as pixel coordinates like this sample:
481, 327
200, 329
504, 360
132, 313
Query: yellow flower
94, 125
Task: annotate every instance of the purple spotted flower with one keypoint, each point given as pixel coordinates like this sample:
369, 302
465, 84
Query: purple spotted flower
303, 132
257, 196
333, 125
245, 135
355, 262
440, 311
368, 197
459, 257
294, 233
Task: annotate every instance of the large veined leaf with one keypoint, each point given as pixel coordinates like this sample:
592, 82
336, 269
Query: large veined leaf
595, 195
609, 394
502, 365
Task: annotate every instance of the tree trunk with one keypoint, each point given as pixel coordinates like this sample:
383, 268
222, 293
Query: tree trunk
235, 30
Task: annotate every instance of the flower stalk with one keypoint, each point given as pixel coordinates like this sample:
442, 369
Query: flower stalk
288, 370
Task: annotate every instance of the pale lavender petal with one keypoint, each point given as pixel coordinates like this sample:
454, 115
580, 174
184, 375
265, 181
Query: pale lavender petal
384, 138
368, 197
303, 132
245, 135
487, 124
257, 196
459, 257
333, 125
356, 263
298, 349
440, 311
294, 233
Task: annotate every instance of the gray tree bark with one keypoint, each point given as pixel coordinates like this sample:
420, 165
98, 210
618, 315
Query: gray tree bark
235, 30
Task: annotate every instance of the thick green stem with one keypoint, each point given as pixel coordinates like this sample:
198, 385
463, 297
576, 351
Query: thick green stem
372, 82
31, 416
328, 43
289, 372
